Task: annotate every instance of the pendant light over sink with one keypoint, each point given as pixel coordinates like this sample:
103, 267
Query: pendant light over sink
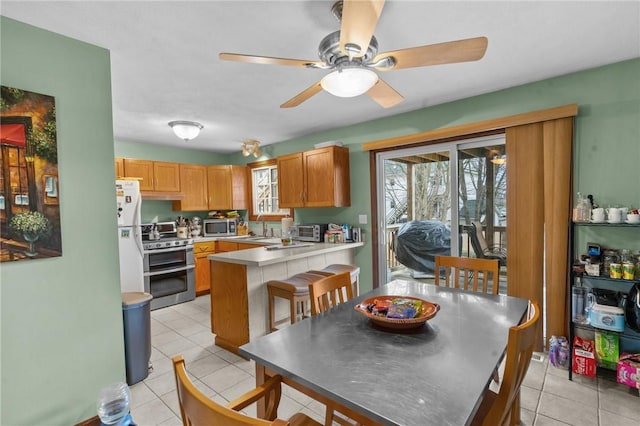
186, 130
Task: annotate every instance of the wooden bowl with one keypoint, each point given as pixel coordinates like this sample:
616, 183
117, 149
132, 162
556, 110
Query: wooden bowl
429, 310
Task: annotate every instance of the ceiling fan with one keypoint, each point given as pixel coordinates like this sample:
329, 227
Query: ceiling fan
352, 55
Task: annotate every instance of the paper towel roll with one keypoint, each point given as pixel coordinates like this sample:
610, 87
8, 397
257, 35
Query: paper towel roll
286, 223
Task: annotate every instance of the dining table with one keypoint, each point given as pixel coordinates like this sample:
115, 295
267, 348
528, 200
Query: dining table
433, 374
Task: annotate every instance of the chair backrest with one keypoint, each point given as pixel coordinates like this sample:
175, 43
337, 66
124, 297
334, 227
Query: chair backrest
522, 340
479, 237
199, 410
465, 272
330, 291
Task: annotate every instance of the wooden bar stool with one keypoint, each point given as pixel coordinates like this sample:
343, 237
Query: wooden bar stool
337, 268
296, 290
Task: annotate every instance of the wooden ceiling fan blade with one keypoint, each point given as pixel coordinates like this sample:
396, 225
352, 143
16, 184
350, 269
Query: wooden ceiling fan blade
471, 49
268, 60
359, 20
303, 96
384, 94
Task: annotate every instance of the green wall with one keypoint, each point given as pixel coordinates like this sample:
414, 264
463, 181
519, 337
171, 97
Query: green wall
61, 317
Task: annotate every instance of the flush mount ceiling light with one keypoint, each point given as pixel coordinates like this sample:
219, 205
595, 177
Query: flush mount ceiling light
251, 146
349, 82
186, 130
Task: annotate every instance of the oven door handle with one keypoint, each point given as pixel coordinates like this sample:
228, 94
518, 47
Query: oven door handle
169, 271
170, 249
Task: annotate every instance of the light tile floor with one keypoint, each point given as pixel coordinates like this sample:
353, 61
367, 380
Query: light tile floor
548, 398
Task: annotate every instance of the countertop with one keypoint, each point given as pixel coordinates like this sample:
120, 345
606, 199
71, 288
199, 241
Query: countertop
260, 256
240, 239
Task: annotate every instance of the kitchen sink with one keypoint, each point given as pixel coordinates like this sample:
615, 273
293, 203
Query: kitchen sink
260, 239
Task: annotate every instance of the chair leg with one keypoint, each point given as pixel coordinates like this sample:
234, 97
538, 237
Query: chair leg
272, 315
515, 410
293, 307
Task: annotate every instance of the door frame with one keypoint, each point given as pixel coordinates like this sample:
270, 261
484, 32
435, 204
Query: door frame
378, 193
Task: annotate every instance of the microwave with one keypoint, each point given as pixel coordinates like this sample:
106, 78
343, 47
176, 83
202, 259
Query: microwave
219, 227
312, 232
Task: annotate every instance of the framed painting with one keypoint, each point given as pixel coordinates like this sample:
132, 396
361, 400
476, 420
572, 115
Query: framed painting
29, 189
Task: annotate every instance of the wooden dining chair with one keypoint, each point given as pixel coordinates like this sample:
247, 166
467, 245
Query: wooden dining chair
325, 294
469, 269
503, 408
330, 291
197, 409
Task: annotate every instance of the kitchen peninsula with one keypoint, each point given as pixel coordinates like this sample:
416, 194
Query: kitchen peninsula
239, 304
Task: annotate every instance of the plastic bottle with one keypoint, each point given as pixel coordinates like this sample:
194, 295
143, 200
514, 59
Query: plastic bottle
113, 405
582, 209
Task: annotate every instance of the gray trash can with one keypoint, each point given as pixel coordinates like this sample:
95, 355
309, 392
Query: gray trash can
136, 315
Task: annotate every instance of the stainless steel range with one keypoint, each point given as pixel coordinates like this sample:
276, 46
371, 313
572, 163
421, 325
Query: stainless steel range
168, 265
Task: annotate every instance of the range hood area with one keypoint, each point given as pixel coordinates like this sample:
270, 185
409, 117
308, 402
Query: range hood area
161, 195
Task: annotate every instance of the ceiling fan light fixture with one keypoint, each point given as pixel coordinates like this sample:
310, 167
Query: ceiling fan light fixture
186, 130
499, 159
349, 82
250, 147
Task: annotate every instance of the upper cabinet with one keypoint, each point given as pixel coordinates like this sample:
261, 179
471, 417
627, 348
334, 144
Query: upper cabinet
316, 178
193, 181
192, 187
119, 164
227, 187
155, 175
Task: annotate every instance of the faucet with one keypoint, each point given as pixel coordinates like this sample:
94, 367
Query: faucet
264, 225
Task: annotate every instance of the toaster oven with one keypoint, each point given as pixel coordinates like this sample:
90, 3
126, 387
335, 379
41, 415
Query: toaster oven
312, 232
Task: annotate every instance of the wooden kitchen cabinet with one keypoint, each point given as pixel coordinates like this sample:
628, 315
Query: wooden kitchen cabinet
225, 246
157, 176
193, 181
201, 251
316, 178
227, 187
119, 167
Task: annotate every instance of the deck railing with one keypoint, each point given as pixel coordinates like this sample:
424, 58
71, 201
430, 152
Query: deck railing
499, 238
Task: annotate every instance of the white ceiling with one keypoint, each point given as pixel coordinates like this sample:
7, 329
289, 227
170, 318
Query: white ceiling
165, 66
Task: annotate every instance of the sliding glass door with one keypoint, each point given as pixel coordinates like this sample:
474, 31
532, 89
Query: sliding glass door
428, 198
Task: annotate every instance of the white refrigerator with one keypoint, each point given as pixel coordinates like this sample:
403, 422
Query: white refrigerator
129, 203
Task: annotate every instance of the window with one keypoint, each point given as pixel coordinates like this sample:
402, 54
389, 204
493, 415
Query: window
264, 192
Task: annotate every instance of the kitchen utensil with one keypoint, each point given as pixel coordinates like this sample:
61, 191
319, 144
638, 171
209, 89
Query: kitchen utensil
597, 215
182, 232
614, 215
633, 218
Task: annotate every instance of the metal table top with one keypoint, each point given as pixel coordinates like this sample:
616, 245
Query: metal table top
434, 375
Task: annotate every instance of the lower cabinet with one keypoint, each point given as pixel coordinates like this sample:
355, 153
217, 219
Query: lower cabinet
201, 252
